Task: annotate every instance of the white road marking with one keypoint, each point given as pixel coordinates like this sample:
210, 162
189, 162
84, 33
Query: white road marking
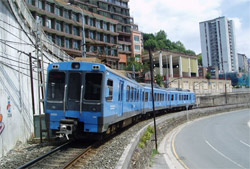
248, 124
245, 143
223, 155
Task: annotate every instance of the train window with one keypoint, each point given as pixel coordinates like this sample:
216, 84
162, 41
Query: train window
166, 97
93, 83
137, 98
74, 86
120, 91
172, 97
56, 85
110, 86
128, 94
143, 96
146, 97
132, 94
158, 97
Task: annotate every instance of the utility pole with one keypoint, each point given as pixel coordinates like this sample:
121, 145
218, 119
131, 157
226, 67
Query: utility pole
40, 78
152, 88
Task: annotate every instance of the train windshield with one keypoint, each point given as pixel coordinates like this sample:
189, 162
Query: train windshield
93, 82
56, 85
74, 86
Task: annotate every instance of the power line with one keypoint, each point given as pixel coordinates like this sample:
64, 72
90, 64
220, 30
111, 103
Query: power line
8, 41
13, 34
11, 67
25, 53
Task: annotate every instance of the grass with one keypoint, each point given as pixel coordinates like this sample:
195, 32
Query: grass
146, 136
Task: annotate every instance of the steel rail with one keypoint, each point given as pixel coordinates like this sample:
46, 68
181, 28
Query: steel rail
43, 156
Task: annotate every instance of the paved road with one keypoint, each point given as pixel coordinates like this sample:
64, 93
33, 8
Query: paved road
221, 141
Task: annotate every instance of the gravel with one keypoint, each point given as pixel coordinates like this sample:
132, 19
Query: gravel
106, 156
22, 153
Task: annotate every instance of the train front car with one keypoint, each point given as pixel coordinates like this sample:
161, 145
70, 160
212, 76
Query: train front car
73, 103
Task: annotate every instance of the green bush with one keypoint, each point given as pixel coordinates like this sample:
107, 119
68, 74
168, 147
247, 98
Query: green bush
146, 136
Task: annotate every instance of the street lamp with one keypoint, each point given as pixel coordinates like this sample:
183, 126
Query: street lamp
83, 30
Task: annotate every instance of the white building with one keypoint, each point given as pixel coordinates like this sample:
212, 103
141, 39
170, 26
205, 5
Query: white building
243, 62
218, 44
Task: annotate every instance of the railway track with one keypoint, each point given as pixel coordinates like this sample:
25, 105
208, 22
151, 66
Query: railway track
68, 155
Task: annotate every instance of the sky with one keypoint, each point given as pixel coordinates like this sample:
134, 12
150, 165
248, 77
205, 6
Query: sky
180, 19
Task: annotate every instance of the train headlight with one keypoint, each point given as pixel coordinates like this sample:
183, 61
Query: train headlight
75, 65
55, 66
95, 67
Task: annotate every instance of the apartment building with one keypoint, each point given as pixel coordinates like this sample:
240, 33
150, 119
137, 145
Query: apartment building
107, 27
137, 42
243, 62
218, 44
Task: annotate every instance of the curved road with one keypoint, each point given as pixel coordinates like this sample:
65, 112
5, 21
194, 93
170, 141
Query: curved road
221, 141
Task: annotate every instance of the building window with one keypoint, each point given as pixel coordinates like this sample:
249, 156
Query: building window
104, 26
58, 11
75, 17
66, 14
113, 52
137, 58
76, 45
48, 7
58, 26
137, 47
98, 24
91, 35
112, 39
136, 38
91, 49
58, 41
67, 43
111, 28
98, 36
29, 2
39, 4
48, 23
126, 48
91, 22
67, 30
105, 38
76, 31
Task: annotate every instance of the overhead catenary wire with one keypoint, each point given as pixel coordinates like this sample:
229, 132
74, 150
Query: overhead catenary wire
11, 67
22, 52
32, 34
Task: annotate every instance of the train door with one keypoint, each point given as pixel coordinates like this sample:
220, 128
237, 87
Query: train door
120, 98
74, 92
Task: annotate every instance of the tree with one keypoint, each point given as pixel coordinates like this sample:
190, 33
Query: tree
160, 41
161, 35
208, 76
159, 80
150, 44
200, 59
137, 65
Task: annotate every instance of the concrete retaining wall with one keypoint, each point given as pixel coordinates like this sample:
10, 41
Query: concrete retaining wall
218, 100
138, 158
17, 39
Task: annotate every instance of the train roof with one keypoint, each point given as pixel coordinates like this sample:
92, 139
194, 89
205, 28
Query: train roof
88, 66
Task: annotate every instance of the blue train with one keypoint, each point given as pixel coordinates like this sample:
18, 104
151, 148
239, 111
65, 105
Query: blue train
90, 99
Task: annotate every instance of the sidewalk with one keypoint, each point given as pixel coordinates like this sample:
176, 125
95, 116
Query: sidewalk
166, 159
